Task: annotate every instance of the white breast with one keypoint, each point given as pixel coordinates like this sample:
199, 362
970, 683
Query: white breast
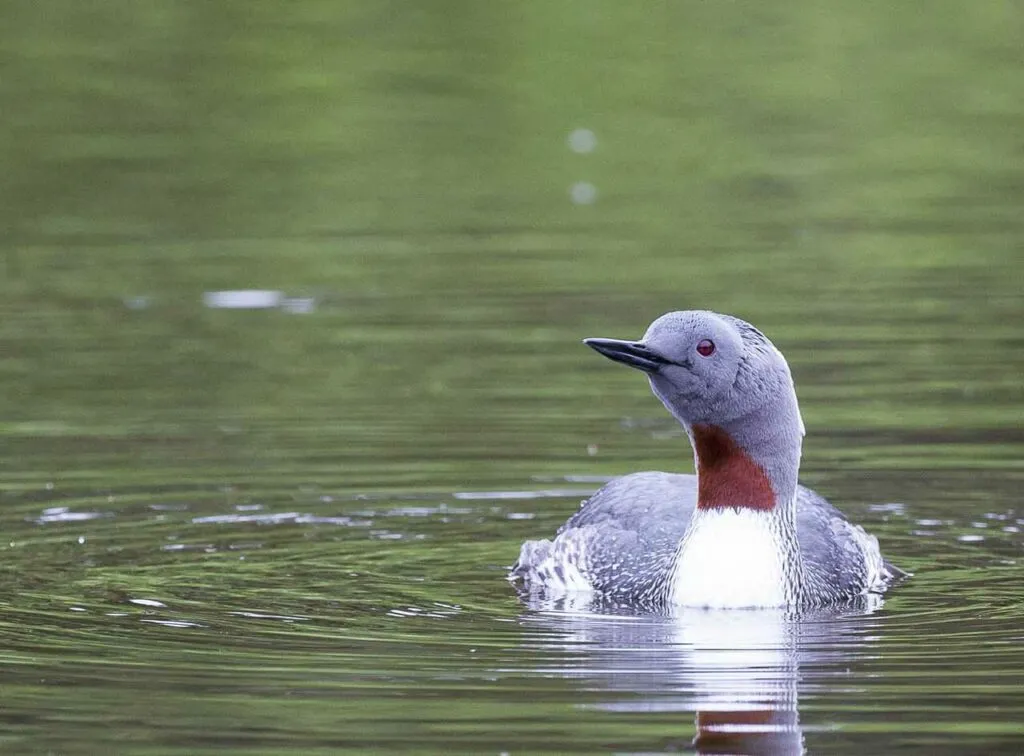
731, 559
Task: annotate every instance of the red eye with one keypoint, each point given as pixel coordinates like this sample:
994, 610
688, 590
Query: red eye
706, 348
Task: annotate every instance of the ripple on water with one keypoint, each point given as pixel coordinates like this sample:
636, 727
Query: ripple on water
255, 596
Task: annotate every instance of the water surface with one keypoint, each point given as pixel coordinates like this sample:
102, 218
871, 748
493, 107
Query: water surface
287, 529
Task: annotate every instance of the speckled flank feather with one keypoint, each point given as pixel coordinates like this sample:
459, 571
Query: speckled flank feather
619, 543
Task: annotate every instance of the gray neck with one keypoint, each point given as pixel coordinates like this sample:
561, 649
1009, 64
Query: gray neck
772, 435
761, 416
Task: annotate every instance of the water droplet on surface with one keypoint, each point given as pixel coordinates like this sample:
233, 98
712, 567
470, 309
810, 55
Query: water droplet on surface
583, 193
582, 141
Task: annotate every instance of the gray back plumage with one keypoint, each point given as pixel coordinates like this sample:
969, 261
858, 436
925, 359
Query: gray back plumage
631, 528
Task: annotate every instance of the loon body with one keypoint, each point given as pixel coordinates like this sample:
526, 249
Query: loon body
741, 533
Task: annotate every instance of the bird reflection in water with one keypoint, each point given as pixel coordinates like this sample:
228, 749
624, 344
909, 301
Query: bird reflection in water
738, 671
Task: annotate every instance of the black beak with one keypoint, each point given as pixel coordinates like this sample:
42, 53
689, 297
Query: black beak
632, 353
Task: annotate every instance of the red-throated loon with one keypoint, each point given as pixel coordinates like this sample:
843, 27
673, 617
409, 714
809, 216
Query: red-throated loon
741, 533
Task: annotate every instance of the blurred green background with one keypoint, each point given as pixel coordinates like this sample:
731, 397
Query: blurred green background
822, 170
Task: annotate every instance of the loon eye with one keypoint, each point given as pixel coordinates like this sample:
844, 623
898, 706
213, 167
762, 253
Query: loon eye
705, 347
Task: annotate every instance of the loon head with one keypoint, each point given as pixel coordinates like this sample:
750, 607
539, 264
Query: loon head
732, 391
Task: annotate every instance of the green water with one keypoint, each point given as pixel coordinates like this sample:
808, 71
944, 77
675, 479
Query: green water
272, 531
